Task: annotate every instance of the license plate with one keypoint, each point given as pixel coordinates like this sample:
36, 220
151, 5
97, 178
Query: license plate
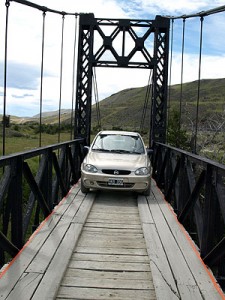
115, 182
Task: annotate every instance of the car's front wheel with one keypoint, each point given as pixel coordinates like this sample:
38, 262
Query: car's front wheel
147, 192
84, 189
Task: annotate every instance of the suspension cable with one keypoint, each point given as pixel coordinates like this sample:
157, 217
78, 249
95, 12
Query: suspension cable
147, 97
96, 100
199, 83
41, 84
182, 73
73, 78
61, 71
7, 4
171, 61
43, 8
200, 14
170, 73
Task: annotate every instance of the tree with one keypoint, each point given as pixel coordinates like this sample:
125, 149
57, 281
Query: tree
176, 136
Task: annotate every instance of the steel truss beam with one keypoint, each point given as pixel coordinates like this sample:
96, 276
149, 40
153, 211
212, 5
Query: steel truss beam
123, 43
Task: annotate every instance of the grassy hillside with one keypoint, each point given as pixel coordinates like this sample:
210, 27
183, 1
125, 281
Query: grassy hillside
125, 109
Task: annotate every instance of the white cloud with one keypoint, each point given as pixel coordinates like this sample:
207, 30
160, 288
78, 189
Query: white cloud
25, 38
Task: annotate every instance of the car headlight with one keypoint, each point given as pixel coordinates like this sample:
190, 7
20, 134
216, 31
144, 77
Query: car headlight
90, 168
142, 171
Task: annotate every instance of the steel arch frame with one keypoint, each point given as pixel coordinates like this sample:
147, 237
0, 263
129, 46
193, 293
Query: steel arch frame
89, 57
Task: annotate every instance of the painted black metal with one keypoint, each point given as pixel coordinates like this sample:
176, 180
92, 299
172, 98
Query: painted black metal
93, 53
192, 198
35, 189
196, 189
20, 212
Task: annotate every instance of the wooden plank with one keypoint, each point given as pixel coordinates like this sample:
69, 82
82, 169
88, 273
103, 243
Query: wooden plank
85, 208
122, 221
67, 292
44, 256
107, 283
132, 276
110, 225
115, 231
53, 276
185, 281
19, 264
164, 282
104, 243
100, 208
114, 250
144, 211
109, 257
165, 286
25, 287
98, 235
203, 276
114, 216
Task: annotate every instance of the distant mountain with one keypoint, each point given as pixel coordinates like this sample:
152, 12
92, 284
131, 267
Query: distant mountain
125, 108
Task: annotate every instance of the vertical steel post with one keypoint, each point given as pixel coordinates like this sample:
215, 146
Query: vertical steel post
84, 78
160, 81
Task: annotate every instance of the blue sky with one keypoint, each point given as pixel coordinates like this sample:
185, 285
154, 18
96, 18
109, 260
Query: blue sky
24, 49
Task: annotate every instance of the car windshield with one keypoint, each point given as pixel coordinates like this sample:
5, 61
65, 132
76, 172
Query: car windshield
119, 143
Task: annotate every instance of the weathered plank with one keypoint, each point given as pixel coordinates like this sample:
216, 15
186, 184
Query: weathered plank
114, 216
163, 279
115, 231
108, 283
203, 276
112, 225
104, 243
45, 255
114, 250
67, 292
11, 275
165, 284
132, 276
110, 257
185, 281
144, 211
26, 286
49, 285
110, 260
110, 266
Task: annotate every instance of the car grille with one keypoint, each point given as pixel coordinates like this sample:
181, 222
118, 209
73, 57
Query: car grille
116, 172
125, 185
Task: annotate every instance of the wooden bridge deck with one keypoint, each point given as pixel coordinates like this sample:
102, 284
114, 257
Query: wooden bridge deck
109, 246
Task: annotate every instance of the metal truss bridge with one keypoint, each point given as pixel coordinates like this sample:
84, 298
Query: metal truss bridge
58, 243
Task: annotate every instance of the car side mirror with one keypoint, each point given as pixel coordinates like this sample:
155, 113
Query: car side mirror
86, 149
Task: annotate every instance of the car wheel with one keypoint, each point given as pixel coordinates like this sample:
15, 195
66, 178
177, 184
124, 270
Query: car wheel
83, 188
147, 192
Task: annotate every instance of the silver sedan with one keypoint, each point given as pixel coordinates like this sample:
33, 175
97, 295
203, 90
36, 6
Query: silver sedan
116, 160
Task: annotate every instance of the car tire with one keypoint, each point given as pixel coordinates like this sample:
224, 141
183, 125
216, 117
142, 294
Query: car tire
84, 190
147, 192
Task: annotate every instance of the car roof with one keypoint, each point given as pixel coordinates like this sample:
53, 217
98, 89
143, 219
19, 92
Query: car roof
108, 132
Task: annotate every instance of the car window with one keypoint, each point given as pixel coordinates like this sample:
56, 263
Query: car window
116, 142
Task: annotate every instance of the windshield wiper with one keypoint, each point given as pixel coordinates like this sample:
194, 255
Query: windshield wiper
121, 151
101, 149
136, 152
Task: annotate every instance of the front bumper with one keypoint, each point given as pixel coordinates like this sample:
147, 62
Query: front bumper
104, 182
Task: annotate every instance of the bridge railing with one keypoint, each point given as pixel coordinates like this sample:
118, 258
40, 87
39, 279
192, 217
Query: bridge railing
195, 187
31, 184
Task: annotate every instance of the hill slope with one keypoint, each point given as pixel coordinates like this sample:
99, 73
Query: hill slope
125, 108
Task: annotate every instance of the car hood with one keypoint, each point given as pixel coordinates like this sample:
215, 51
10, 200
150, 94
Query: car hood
103, 160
